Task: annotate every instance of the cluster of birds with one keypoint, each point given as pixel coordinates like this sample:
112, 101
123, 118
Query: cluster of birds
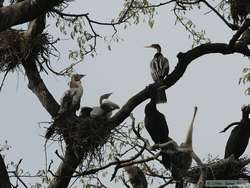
179, 160
70, 104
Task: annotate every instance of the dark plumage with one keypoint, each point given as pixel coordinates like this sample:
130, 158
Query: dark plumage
155, 123
136, 177
85, 112
159, 68
157, 127
239, 137
239, 10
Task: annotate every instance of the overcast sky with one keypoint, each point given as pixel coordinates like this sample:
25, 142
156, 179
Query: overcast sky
210, 82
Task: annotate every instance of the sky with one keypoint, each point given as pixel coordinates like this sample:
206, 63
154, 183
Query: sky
210, 82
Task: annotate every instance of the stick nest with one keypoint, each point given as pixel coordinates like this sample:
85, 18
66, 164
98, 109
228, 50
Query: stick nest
15, 49
225, 169
87, 136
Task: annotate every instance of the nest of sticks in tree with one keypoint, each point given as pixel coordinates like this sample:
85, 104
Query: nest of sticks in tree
15, 49
87, 136
224, 169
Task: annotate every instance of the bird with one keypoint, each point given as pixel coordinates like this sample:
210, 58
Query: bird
239, 10
239, 137
159, 68
85, 112
136, 177
105, 109
70, 102
245, 38
157, 127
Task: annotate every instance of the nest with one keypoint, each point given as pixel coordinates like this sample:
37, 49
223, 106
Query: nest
87, 136
225, 169
15, 49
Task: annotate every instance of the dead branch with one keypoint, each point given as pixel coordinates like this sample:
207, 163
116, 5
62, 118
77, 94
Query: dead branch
4, 178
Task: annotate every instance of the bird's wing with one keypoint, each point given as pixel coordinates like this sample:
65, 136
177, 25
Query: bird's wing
66, 102
230, 125
159, 67
96, 112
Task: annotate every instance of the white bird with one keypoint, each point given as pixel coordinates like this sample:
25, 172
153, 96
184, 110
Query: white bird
70, 102
105, 109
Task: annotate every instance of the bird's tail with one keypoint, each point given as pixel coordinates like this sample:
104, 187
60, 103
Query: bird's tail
161, 96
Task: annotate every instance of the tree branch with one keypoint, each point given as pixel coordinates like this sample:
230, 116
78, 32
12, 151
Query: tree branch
24, 11
184, 59
4, 178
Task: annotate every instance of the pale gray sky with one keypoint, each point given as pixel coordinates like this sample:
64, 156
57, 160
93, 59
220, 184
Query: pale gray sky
210, 82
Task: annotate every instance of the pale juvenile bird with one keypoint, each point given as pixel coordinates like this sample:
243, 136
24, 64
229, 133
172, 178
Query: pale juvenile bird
70, 102
105, 109
159, 68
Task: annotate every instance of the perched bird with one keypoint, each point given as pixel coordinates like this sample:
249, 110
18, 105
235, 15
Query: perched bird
105, 109
159, 68
157, 127
239, 137
136, 177
239, 10
85, 112
245, 38
70, 102
181, 160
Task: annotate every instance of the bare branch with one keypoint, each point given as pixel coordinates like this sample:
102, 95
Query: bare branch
4, 178
24, 11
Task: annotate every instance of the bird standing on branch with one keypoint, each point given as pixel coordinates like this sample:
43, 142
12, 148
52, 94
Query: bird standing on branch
105, 109
239, 137
70, 102
157, 127
159, 68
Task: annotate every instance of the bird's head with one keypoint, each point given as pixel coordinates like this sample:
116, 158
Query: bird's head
155, 46
77, 77
104, 96
76, 80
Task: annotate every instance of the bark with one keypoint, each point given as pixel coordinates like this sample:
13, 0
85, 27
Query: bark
65, 170
4, 178
24, 11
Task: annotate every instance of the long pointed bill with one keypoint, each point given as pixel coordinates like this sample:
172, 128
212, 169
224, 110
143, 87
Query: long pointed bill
81, 75
148, 47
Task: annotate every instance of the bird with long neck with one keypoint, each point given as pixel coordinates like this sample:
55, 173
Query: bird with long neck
239, 137
157, 127
181, 159
105, 109
159, 68
70, 102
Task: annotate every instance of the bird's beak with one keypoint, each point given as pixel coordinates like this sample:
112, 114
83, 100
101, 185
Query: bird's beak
81, 75
148, 46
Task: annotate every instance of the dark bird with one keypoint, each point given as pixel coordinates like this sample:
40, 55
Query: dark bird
105, 109
239, 10
159, 68
85, 112
70, 102
136, 177
245, 38
239, 137
157, 127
